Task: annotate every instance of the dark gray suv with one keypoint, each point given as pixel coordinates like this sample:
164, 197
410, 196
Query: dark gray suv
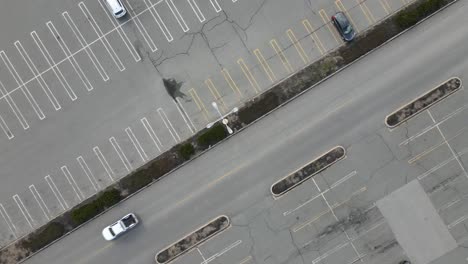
343, 26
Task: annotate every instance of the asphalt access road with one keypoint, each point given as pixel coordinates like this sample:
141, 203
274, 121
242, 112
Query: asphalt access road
349, 109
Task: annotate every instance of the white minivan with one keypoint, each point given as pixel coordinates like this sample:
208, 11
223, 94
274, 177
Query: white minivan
116, 7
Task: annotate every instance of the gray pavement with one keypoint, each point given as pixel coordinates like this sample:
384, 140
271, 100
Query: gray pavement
81, 96
331, 218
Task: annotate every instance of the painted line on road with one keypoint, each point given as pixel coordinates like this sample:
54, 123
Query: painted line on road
313, 34
279, 52
266, 67
168, 125
6, 129
342, 8
327, 22
8, 221
136, 144
245, 260
298, 46
158, 20
54, 66
222, 252
41, 204
56, 192
141, 28
197, 10
14, 108
248, 75
216, 5
440, 165
115, 58
365, 10
199, 103
217, 96
385, 6
24, 211
32, 67
19, 81
72, 183
92, 57
177, 15
104, 162
88, 172
458, 221
151, 133
184, 115
121, 154
231, 83
84, 79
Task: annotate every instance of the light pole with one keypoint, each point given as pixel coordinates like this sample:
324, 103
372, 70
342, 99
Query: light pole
222, 117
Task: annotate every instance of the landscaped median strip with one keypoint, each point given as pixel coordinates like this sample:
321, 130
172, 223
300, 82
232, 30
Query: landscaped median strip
321, 163
190, 241
260, 106
423, 102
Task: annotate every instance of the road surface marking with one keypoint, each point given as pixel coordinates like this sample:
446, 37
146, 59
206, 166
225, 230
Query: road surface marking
247, 259
217, 96
121, 154
231, 83
184, 114
313, 34
222, 252
32, 67
168, 125
298, 46
158, 20
199, 103
279, 52
72, 183
88, 172
56, 192
10, 224
151, 133
326, 21
266, 67
58, 73
215, 5
88, 50
141, 28
14, 107
20, 83
5, 128
41, 204
104, 162
385, 6
177, 15
196, 10
370, 17
136, 144
341, 7
248, 75
101, 36
24, 211
67, 52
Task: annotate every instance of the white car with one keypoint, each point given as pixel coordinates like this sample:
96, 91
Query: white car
116, 7
118, 228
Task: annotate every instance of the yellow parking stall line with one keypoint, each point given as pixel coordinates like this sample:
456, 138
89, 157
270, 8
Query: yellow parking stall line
297, 45
265, 65
209, 83
279, 52
231, 83
326, 20
365, 10
404, 2
341, 7
385, 6
246, 260
199, 103
248, 75
314, 36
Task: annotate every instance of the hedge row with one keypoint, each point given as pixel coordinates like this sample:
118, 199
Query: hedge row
89, 210
413, 14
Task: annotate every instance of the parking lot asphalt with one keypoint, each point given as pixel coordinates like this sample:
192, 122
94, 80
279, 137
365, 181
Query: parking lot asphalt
333, 217
81, 97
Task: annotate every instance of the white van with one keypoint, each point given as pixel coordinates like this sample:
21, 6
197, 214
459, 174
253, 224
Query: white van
116, 7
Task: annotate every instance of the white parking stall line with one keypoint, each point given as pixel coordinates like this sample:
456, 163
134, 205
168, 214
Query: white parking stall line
52, 65
141, 28
184, 115
330, 252
102, 37
69, 55
456, 222
14, 108
88, 172
159, 21
177, 15
7, 219
56, 192
87, 48
136, 144
24, 210
222, 252
104, 162
121, 32
72, 183
215, 5
168, 124
196, 10
5, 128
41, 204
201, 254
151, 133
37, 75
121, 154
20, 83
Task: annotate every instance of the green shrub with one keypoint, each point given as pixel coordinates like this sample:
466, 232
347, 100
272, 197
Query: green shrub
90, 210
259, 107
186, 151
51, 232
136, 181
412, 15
212, 136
